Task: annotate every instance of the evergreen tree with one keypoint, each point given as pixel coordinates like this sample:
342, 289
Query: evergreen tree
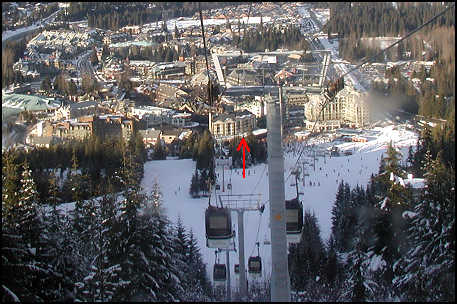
198, 282
195, 185
28, 208
46, 84
159, 151
78, 186
21, 228
427, 270
19, 269
343, 218
155, 198
61, 251
10, 189
102, 279
332, 272
390, 226
357, 273
307, 257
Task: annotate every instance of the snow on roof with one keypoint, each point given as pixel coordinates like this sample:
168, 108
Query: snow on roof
259, 132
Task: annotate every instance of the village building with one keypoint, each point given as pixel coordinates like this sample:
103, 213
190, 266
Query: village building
348, 108
228, 125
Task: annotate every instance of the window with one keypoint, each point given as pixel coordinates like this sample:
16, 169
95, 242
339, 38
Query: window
255, 265
291, 215
218, 222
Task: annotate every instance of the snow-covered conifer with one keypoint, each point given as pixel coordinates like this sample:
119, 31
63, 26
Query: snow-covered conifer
427, 271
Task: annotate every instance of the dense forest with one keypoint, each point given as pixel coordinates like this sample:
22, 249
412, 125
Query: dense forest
374, 19
268, 37
387, 243
11, 52
116, 15
352, 21
95, 160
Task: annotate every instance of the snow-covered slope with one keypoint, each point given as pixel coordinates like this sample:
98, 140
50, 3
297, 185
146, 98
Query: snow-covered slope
174, 178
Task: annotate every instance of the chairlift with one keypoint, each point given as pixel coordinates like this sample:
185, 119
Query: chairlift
218, 224
294, 220
229, 186
218, 187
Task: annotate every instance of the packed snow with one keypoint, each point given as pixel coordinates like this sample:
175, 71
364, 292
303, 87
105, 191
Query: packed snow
174, 178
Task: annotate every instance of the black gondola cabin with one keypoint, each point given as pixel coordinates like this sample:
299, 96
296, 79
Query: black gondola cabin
294, 220
219, 272
255, 264
218, 223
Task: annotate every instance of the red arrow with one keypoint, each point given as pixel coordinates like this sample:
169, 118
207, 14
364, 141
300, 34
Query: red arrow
245, 147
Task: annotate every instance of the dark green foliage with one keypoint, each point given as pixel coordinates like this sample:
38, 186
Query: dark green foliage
19, 269
257, 155
195, 185
307, 257
97, 161
373, 19
159, 151
46, 84
341, 222
108, 17
205, 151
267, 37
10, 187
426, 272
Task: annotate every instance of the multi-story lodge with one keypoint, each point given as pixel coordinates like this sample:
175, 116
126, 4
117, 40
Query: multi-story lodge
226, 126
348, 108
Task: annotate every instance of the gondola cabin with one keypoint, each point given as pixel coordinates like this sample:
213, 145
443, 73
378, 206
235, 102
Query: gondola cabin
219, 233
237, 268
294, 220
219, 272
255, 265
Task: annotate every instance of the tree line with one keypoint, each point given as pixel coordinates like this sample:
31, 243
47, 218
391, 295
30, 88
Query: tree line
11, 52
95, 159
270, 37
374, 19
115, 16
387, 242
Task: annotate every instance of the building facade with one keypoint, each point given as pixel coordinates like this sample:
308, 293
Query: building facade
349, 108
233, 124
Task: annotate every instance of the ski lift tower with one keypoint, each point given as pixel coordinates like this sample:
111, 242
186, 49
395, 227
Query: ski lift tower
241, 203
280, 281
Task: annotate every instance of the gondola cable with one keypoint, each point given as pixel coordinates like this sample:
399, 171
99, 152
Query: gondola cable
257, 235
